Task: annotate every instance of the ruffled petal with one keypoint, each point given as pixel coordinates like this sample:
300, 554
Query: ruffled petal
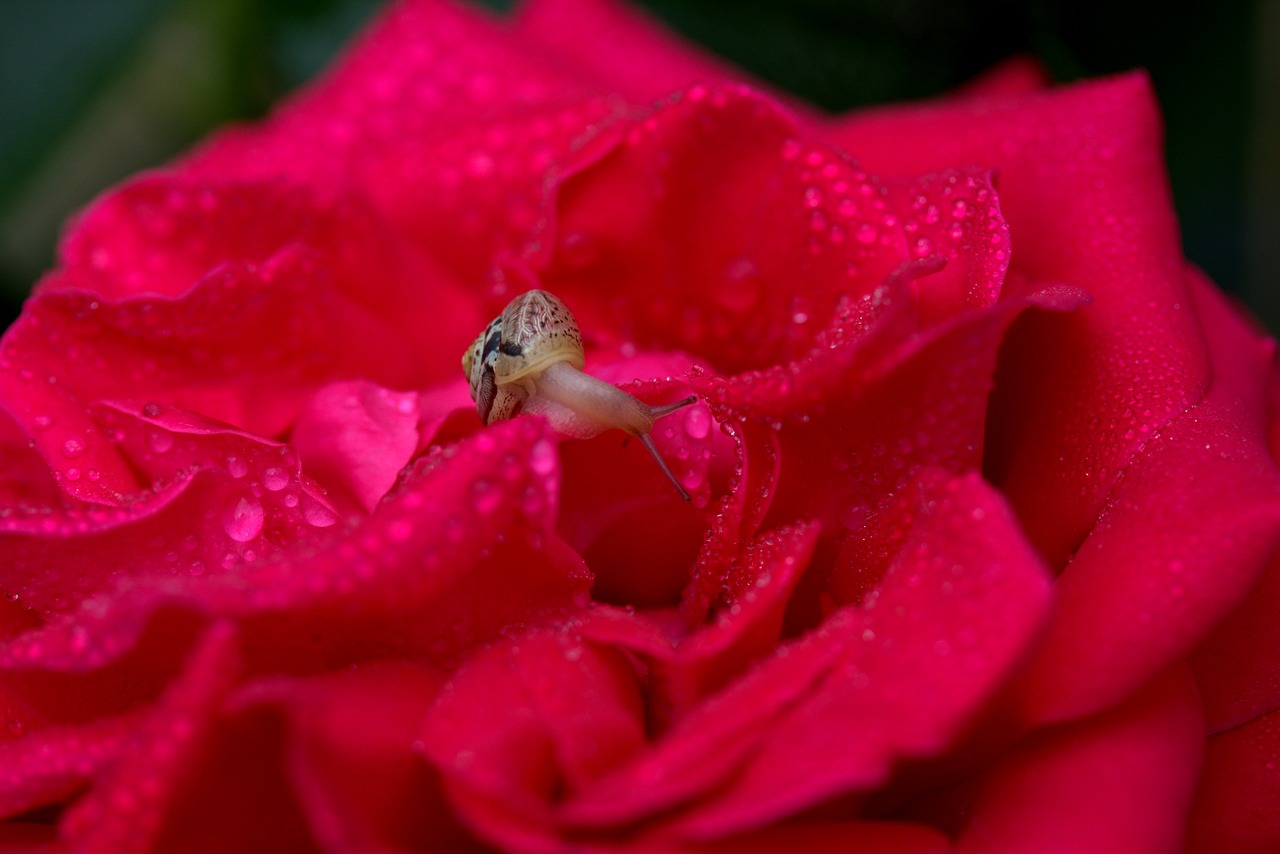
1237, 804
1188, 526
1118, 782
1078, 395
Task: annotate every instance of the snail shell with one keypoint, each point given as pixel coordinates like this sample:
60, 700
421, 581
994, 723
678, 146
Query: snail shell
529, 359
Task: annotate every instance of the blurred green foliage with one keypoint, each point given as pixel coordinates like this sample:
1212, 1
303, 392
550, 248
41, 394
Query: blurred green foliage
93, 91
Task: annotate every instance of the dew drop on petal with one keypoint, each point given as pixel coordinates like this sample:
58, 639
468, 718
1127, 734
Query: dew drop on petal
319, 516
72, 448
697, 423
243, 520
542, 457
275, 479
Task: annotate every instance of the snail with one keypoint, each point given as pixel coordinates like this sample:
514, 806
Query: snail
529, 359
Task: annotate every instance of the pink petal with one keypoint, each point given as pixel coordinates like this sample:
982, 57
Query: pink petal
528, 723
866, 837
355, 437
50, 765
620, 48
1118, 782
474, 196
615, 497
1081, 393
239, 797
708, 213
164, 233
1236, 667
749, 625
218, 498
253, 367
1182, 536
468, 535
688, 664
423, 70
832, 712
1237, 803
882, 417
125, 810
1015, 76
350, 757
738, 514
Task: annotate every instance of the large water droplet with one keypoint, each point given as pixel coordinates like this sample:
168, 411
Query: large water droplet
275, 479
697, 423
243, 520
319, 516
542, 457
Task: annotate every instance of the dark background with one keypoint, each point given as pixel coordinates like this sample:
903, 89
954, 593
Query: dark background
93, 90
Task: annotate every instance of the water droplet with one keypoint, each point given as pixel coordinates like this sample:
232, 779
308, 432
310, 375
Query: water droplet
159, 441
866, 234
243, 520
237, 467
319, 516
42, 422
697, 423
73, 448
400, 530
542, 457
275, 479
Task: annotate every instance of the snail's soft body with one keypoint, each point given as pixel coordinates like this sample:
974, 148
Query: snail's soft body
529, 359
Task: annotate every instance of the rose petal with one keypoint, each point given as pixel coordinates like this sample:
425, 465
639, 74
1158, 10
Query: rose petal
355, 437
1079, 394
421, 71
738, 515
1237, 804
785, 229
49, 765
1017, 75
475, 196
747, 628
1236, 667
866, 837
687, 664
831, 712
1182, 536
218, 498
620, 48
916, 403
125, 810
527, 723
350, 758
469, 536
239, 797
163, 233
619, 496
1117, 782
253, 367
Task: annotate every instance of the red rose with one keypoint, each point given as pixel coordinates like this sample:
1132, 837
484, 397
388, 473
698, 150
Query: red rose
980, 551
